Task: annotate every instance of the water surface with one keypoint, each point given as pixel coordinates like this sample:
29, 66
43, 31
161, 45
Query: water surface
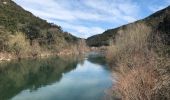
55, 79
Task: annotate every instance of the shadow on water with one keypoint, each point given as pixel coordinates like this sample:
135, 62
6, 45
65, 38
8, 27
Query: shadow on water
32, 74
99, 60
55, 78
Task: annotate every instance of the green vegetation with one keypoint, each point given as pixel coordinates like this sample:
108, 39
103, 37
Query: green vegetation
23, 34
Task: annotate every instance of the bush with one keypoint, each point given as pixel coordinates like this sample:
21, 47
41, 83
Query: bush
130, 40
18, 44
147, 82
138, 84
35, 49
141, 70
4, 38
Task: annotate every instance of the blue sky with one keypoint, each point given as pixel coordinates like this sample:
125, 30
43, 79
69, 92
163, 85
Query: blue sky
84, 18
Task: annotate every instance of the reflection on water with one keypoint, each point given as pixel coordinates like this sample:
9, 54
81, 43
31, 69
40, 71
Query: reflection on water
55, 79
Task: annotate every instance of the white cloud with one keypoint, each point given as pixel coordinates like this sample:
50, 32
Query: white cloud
79, 11
80, 30
117, 9
105, 10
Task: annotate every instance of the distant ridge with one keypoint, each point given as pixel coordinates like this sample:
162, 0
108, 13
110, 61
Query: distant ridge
159, 21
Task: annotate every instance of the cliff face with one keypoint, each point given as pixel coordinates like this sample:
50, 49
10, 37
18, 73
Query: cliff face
159, 21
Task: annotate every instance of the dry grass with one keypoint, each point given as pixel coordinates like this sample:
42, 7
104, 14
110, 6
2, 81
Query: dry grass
133, 39
19, 47
138, 84
18, 44
141, 71
78, 48
146, 82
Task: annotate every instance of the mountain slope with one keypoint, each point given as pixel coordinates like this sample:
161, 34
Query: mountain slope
159, 21
14, 18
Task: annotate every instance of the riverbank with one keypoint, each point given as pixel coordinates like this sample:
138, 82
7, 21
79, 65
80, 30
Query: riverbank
4, 56
142, 65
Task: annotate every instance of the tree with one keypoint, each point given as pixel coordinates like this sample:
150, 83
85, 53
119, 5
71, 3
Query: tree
32, 32
19, 44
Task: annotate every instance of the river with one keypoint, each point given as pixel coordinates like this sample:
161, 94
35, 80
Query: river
55, 78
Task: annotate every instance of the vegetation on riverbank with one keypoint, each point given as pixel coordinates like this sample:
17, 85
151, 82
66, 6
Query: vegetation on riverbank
24, 35
16, 46
143, 66
140, 50
139, 54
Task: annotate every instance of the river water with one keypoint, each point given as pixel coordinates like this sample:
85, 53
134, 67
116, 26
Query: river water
55, 78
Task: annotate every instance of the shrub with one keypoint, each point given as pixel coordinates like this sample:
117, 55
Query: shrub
138, 84
130, 40
141, 64
35, 49
4, 38
19, 44
147, 82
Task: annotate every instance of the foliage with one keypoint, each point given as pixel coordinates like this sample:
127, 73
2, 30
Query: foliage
22, 32
14, 18
4, 38
143, 66
158, 21
19, 44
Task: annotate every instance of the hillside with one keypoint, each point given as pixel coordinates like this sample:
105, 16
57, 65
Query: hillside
139, 54
159, 21
14, 18
16, 22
